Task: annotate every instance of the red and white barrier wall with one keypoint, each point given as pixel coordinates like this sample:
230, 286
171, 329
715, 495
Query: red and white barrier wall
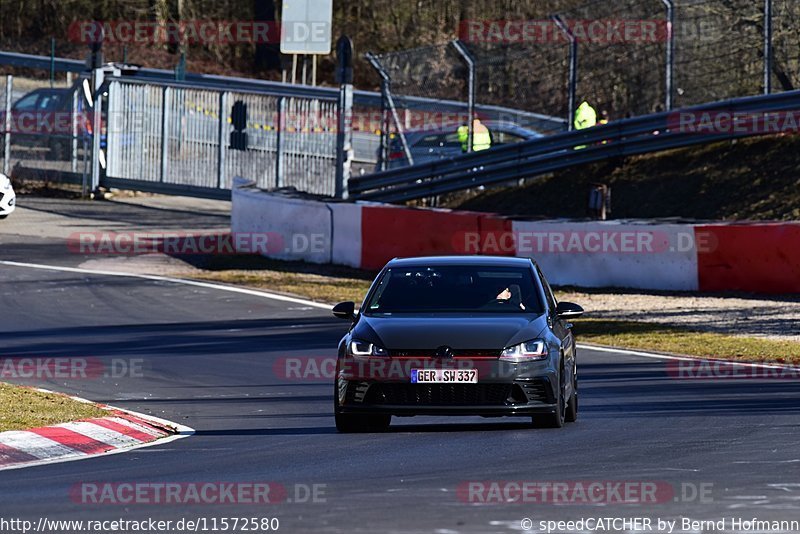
755, 257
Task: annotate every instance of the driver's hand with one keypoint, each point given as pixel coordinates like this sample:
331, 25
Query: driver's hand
504, 294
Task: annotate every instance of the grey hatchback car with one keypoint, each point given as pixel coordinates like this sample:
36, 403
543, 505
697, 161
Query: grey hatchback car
431, 145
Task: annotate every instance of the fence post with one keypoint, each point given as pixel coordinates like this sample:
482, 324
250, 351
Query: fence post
165, 97
669, 75
573, 69
470, 61
222, 138
344, 112
97, 123
280, 159
74, 144
767, 47
7, 127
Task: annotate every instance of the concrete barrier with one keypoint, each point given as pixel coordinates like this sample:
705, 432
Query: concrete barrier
296, 229
611, 254
757, 257
762, 258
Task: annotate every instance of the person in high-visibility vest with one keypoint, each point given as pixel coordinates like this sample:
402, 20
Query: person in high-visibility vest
585, 117
481, 137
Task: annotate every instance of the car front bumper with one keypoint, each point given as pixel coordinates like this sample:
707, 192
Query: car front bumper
503, 389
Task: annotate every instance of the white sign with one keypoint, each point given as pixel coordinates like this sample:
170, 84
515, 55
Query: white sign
306, 26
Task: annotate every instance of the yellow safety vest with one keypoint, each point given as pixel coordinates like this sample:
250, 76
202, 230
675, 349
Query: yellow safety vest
585, 116
481, 138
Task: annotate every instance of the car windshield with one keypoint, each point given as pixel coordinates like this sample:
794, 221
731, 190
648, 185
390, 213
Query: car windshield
455, 289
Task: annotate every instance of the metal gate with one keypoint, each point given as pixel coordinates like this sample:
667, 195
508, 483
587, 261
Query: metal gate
163, 135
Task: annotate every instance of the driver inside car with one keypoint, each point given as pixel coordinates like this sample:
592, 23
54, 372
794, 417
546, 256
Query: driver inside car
511, 294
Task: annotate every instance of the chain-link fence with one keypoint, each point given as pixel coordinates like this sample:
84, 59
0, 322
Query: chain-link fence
44, 129
631, 57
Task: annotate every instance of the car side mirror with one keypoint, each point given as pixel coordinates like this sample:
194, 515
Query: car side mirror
345, 310
568, 310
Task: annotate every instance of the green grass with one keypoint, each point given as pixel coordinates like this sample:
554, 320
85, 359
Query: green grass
22, 408
685, 341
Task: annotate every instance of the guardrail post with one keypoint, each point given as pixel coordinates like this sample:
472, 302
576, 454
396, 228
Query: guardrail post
165, 97
670, 60
767, 47
222, 139
7, 127
573, 69
280, 159
470, 61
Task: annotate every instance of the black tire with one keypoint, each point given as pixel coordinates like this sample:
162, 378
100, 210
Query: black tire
558, 418
349, 423
3, 216
572, 405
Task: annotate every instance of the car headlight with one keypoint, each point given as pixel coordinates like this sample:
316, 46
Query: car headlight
529, 350
363, 349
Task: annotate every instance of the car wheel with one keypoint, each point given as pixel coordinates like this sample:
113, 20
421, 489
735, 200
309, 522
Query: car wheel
349, 423
3, 216
572, 405
556, 419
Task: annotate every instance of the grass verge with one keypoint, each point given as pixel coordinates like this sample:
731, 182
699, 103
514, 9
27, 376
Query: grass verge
350, 285
23, 407
678, 340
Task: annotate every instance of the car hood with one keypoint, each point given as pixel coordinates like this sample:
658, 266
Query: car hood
421, 332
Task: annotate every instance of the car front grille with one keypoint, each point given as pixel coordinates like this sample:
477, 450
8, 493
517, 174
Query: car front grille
407, 394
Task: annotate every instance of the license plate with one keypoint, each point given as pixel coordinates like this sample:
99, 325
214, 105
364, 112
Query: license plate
444, 376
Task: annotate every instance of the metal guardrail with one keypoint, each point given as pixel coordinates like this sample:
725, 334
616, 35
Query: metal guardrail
650, 133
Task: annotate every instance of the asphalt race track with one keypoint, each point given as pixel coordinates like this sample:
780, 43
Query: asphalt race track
208, 360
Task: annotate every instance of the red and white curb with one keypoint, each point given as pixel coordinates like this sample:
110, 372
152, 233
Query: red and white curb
121, 431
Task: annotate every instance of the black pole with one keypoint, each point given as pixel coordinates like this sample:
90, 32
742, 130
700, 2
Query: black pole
573, 69
670, 53
767, 47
